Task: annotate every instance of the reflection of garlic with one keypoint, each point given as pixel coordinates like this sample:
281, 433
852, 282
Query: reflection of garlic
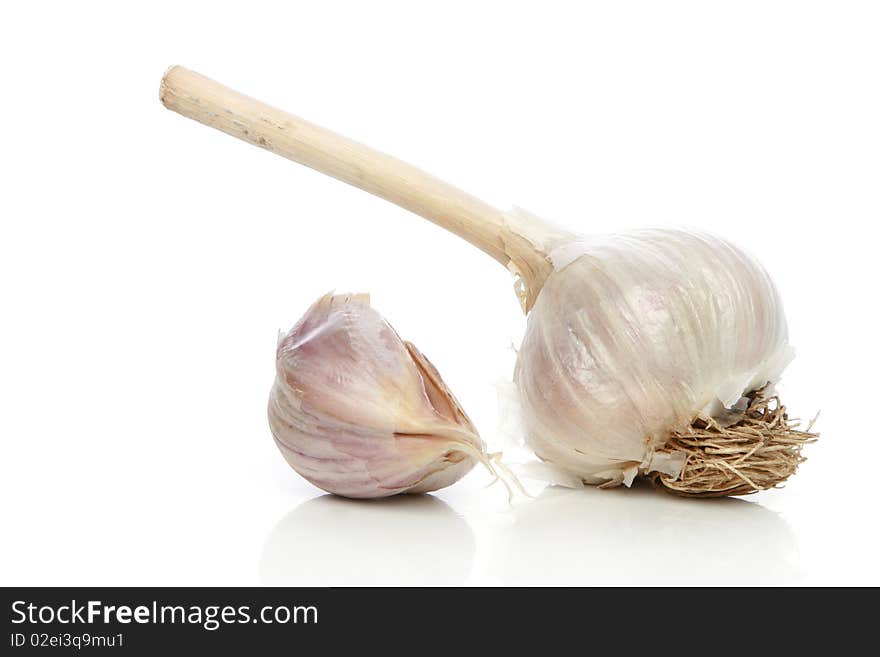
361, 413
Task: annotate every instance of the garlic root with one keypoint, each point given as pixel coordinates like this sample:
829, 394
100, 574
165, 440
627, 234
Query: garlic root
758, 452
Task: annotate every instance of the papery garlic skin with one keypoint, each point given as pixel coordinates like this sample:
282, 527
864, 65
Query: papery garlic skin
359, 412
634, 335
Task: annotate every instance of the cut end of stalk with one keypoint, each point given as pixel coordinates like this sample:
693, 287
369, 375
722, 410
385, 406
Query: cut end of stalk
759, 451
163, 85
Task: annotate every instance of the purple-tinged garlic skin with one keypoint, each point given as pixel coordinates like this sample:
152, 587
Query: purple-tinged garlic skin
361, 413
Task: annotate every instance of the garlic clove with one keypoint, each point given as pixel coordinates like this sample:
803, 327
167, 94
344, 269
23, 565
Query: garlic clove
361, 413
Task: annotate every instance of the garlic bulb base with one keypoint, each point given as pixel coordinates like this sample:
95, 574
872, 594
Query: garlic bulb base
759, 451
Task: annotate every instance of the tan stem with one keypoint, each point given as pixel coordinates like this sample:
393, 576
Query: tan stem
200, 98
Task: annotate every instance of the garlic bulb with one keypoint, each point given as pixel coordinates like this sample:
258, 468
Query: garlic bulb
648, 353
633, 336
361, 413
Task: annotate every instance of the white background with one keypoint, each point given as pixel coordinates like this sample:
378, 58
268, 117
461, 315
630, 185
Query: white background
147, 262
